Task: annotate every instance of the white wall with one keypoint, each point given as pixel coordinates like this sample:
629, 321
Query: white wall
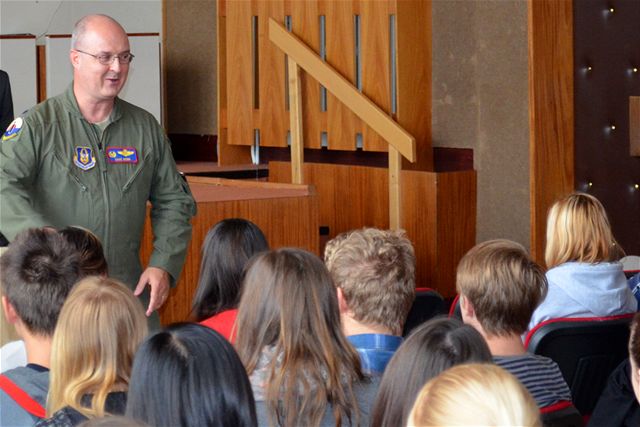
58, 17
44, 17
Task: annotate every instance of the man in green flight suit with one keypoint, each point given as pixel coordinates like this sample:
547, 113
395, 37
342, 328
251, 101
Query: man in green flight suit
88, 158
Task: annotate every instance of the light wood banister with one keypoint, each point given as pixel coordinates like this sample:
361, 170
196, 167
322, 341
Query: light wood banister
342, 89
401, 143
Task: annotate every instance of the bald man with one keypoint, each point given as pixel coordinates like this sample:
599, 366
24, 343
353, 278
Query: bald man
88, 158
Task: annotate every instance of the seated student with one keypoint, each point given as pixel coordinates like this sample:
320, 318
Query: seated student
432, 347
100, 328
225, 251
302, 369
499, 287
585, 277
474, 395
618, 404
92, 262
189, 375
374, 272
37, 272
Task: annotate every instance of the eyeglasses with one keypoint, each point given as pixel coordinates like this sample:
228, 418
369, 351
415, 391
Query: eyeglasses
107, 59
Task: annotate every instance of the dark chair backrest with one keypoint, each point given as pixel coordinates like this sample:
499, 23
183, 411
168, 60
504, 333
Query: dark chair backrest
561, 414
455, 310
428, 304
587, 350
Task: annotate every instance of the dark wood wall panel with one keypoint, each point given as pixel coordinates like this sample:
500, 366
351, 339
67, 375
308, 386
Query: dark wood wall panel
606, 51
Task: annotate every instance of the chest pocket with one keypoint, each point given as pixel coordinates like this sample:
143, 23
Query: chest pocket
139, 181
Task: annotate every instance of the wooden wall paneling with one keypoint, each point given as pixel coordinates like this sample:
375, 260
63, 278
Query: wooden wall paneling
634, 125
413, 77
375, 58
551, 113
456, 224
439, 214
420, 220
273, 118
228, 154
366, 204
285, 221
305, 23
342, 124
42, 73
239, 82
438, 211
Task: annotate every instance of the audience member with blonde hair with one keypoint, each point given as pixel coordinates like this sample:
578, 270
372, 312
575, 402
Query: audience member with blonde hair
585, 276
499, 287
374, 274
474, 395
100, 328
302, 369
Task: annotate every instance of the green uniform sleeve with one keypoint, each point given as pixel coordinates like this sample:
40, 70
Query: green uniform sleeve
172, 207
20, 154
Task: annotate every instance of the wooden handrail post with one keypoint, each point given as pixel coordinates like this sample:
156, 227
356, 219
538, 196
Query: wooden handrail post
295, 114
395, 165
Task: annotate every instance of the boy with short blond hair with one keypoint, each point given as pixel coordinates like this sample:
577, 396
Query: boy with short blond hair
500, 287
374, 273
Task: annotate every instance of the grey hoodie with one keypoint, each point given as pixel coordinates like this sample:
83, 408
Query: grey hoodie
35, 383
585, 290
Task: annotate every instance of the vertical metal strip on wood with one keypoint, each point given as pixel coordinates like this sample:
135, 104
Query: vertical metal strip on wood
342, 124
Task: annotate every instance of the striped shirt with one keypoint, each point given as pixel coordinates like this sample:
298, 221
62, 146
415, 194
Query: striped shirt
540, 375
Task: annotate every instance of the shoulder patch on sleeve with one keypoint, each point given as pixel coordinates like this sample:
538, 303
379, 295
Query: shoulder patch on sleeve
14, 129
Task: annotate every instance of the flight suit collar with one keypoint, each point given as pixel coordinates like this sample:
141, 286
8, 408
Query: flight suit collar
72, 104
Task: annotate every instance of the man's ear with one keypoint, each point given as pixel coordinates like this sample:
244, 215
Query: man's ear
466, 308
342, 302
74, 58
9, 312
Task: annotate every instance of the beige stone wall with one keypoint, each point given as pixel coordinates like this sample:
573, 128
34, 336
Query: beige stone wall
480, 101
190, 66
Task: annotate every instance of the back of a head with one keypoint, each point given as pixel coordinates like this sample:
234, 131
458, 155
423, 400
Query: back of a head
503, 284
88, 245
37, 272
472, 395
375, 269
289, 307
433, 347
189, 375
578, 230
226, 250
100, 328
634, 354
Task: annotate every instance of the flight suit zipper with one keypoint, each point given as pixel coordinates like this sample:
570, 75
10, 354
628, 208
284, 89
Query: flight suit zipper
105, 187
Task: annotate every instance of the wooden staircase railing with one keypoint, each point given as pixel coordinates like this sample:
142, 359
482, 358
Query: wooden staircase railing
401, 143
